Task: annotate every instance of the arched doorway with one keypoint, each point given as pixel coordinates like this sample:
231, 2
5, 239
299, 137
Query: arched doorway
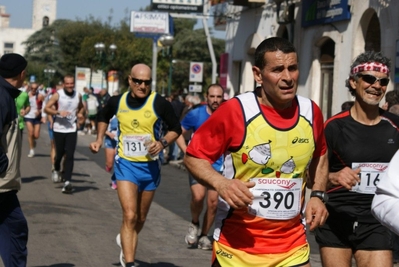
373, 34
368, 35
327, 50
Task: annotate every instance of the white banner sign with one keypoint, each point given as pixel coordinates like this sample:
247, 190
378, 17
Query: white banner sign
85, 78
196, 71
149, 22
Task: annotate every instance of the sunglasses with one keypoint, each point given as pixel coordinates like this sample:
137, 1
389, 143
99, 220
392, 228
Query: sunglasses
139, 82
370, 79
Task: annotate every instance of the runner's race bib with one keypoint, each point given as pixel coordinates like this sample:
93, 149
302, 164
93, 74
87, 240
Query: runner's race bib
135, 145
276, 198
370, 173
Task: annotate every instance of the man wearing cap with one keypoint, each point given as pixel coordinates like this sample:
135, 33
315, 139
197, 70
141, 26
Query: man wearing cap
13, 225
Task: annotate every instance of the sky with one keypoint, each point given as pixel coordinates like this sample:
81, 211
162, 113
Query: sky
20, 11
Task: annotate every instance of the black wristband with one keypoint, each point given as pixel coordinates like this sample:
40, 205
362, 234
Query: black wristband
321, 195
164, 142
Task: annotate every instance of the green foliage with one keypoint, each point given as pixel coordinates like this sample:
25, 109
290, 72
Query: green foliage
66, 44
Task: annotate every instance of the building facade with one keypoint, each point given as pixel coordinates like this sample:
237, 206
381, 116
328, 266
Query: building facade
328, 35
11, 39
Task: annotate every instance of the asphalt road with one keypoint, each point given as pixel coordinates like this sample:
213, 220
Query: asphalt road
80, 229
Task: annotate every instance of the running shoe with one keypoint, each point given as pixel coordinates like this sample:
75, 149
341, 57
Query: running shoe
67, 189
55, 176
113, 185
31, 153
205, 243
192, 234
121, 256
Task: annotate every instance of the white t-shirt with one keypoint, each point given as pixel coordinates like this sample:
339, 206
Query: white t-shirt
70, 104
33, 107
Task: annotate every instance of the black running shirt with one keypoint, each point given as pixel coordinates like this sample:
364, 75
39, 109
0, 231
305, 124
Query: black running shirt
349, 141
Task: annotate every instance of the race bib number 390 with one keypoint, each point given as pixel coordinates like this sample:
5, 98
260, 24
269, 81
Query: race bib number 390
369, 175
276, 198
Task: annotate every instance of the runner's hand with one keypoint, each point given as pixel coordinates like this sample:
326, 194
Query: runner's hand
95, 146
235, 192
81, 119
345, 177
154, 148
316, 213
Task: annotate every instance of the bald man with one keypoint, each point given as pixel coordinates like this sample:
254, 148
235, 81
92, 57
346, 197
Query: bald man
140, 113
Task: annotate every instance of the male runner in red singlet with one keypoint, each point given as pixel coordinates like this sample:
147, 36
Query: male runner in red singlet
269, 137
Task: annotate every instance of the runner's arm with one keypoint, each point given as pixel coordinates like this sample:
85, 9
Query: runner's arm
81, 112
105, 115
316, 212
386, 199
167, 114
181, 143
318, 173
49, 106
235, 192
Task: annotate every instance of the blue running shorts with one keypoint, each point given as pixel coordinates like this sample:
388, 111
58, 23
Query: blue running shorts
109, 143
50, 131
146, 175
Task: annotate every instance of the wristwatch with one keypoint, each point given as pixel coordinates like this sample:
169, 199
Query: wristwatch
321, 195
164, 142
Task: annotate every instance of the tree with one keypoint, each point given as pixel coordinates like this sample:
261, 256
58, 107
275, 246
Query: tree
66, 44
191, 45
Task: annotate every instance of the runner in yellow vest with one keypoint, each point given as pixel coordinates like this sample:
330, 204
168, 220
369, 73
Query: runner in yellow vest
140, 113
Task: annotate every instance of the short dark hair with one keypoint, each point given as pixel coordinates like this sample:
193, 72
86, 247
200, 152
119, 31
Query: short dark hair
347, 105
272, 44
394, 109
69, 76
213, 85
368, 56
392, 98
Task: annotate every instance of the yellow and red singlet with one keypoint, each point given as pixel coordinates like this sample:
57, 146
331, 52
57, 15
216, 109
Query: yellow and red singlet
274, 150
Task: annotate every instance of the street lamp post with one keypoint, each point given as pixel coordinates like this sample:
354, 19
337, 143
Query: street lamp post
167, 41
170, 76
100, 51
49, 73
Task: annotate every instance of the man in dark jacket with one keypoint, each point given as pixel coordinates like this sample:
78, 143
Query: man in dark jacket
13, 225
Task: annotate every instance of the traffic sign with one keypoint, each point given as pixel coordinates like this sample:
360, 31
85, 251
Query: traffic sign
196, 72
195, 88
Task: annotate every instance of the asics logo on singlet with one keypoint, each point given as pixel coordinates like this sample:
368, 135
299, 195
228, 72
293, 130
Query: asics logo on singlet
224, 254
300, 140
123, 110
